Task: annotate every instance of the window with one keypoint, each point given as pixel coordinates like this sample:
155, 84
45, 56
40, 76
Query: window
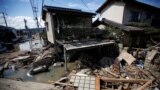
148, 16
135, 16
46, 24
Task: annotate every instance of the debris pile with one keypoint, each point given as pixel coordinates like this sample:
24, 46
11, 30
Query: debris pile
35, 61
131, 70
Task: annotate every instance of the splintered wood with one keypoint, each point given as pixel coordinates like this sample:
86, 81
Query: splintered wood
129, 82
130, 78
151, 55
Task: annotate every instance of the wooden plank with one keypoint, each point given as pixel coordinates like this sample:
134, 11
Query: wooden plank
97, 83
127, 57
151, 55
120, 87
124, 80
105, 70
147, 74
6, 65
145, 85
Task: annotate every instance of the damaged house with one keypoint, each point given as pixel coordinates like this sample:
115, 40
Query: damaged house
72, 30
133, 17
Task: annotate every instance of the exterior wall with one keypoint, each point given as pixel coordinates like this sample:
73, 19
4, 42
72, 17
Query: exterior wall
49, 29
143, 14
113, 12
88, 22
50, 26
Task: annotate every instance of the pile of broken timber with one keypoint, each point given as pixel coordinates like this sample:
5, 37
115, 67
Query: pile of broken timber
125, 84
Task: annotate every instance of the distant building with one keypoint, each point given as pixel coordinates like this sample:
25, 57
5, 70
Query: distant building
27, 33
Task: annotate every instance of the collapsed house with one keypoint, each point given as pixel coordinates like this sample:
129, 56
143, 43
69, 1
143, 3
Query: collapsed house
134, 18
71, 30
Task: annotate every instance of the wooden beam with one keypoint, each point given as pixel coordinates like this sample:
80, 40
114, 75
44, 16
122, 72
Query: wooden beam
145, 85
150, 76
104, 70
120, 87
97, 83
124, 80
65, 59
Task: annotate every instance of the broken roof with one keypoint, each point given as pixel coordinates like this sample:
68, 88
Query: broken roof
62, 10
143, 5
117, 25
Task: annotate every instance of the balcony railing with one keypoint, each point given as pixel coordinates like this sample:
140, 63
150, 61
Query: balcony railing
78, 34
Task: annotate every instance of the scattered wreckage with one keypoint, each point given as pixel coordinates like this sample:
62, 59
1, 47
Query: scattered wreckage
131, 70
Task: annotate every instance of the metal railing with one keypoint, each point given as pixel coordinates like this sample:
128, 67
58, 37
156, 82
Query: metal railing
78, 34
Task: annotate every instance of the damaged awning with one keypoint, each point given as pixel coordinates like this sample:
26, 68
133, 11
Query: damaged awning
120, 26
73, 46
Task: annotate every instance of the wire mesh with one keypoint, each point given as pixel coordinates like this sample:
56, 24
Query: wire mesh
78, 34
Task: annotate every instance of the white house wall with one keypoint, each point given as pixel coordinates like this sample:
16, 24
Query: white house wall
113, 12
50, 34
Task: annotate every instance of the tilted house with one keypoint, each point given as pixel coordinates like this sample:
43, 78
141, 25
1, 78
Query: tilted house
71, 29
58, 18
130, 16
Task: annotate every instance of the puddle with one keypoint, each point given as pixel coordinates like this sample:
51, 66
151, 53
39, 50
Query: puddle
54, 74
18, 74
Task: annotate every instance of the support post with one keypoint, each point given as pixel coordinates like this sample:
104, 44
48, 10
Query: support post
65, 59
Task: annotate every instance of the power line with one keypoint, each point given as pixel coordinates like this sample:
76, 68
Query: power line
34, 9
86, 5
42, 3
41, 12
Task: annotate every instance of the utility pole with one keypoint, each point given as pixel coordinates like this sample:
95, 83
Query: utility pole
29, 33
35, 10
4, 18
25, 23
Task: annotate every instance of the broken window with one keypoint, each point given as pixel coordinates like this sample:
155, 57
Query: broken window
135, 16
148, 16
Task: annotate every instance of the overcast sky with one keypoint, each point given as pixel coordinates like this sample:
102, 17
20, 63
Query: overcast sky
17, 10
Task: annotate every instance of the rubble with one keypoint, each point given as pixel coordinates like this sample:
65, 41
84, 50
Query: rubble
132, 69
114, 74
32, 61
